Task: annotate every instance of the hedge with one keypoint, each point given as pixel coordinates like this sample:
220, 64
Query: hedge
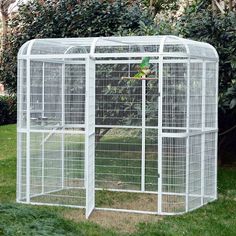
8, 110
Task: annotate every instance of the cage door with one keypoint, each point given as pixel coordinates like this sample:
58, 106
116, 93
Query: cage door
90, 136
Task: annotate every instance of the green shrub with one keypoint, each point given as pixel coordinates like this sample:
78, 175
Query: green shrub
7, 110
69, 18
219, 31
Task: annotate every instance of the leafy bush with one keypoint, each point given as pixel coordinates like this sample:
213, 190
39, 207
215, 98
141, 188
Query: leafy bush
7, 110
219, 31
69, 18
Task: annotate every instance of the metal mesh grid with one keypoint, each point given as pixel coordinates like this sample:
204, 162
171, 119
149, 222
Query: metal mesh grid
118, 160
21, 94
160, 149
118, 102
211, 93
210, 167
174, 95
127, 48
195, 100
21, 166
74, 94
151, 160
173, 174
56, 171
194, 174
45, 95
56, 177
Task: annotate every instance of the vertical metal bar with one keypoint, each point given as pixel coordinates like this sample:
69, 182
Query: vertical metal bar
28, 121
160, 85
216, 125
19, 125
203, 130
63, 125
19, 163
143, 135
28, 131
187, 139
160, 135
90, 130
43, 107
86, 146
90, 136
87, 128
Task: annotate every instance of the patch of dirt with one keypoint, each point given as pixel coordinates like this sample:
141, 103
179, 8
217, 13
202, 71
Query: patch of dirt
123, 200
119, 221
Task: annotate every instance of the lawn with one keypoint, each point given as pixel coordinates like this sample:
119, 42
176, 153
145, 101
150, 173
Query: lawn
217, 218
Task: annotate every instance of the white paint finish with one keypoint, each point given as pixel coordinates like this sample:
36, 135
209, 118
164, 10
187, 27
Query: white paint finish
50, 133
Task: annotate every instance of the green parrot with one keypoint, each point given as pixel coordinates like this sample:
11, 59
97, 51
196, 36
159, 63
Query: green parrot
143, 69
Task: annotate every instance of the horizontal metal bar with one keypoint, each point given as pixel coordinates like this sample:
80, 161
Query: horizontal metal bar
52, 60
125, 191
54, 131
51, 204
54, 56
126, 210
119, 126
185, 134
115, 55
152, 61
45, 193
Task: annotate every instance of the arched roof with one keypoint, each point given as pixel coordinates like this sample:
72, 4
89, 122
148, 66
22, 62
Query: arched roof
156, 45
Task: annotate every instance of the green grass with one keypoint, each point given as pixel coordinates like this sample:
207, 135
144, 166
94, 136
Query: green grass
19, 220
8, 141
217, 218
7, 163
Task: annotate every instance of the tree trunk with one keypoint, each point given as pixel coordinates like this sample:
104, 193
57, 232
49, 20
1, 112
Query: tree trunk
213, 6
100, 133
151, 3
230, 5
151, 6
4, 28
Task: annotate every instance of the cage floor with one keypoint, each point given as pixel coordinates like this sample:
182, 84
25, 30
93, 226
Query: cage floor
72, 196
113, 199
125, 200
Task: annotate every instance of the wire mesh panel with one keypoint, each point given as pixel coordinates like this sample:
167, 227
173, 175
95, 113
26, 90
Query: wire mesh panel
118, 102
210, 167
118, 159
195, 170
173, 174
151, 160
21, 136
210, 108
74, 94
56, 171
21, 167
126, 158
174, 102
195, 93
56, 177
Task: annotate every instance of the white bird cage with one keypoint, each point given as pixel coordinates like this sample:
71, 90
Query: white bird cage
89, 125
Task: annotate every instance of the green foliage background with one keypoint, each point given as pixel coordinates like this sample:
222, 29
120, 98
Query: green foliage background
7, 110
74, 18
69, 18
219, 31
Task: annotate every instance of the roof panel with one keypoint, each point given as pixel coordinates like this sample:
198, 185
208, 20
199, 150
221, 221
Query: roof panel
128, 44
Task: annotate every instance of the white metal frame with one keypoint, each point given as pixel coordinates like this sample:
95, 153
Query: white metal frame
90, 60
